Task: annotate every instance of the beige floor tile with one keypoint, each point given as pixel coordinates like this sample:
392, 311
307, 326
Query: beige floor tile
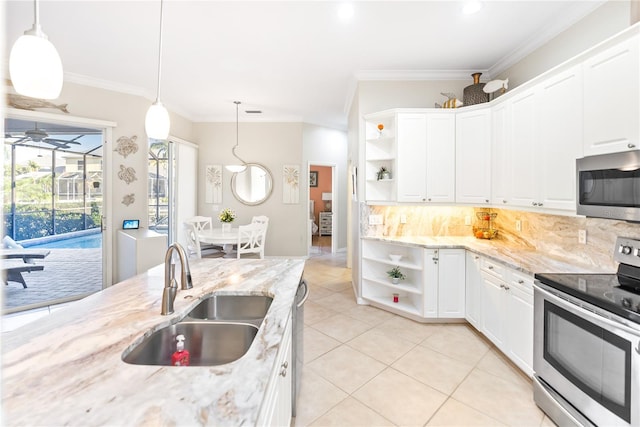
434, 369
338, 301
346, 368
318, 292
504, 400
456, 414
383, 347
495, 363
314, 313
316, 344
338, 285
408, 329
351, 412
399, 398
342, 328
369, 314
459, 342
316, 397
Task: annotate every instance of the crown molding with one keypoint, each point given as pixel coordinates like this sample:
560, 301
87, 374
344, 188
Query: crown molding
546, 34
416, 75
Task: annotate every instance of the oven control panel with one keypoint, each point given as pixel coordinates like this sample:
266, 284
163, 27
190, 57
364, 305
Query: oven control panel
627, 251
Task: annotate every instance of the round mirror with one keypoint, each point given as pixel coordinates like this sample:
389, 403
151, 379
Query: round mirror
253, 185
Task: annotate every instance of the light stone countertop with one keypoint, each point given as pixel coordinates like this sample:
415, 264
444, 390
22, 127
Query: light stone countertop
525, 260
66, 369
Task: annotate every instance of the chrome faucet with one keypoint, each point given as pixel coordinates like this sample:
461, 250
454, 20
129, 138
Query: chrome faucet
170, 284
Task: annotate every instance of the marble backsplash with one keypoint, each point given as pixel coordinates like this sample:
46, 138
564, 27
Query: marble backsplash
554, 235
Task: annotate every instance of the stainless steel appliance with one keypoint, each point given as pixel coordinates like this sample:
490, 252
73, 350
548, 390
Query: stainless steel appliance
297, 342
608, 186
587, 343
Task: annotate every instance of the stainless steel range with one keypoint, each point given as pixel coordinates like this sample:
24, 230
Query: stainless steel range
587, 343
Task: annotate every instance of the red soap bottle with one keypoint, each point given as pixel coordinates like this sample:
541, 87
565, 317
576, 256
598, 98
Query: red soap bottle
181, 356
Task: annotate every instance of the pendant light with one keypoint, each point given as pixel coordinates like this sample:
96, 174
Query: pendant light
34, 63
243, 166
157, 121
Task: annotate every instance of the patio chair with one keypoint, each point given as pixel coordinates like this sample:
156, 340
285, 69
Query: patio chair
17, 260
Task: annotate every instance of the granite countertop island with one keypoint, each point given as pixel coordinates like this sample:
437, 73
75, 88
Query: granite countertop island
515, 257
66, 369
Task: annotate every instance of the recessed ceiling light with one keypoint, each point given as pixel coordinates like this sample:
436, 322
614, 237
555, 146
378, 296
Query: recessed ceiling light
345, 12
471, 7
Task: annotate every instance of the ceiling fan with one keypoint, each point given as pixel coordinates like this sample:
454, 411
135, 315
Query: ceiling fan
40, 135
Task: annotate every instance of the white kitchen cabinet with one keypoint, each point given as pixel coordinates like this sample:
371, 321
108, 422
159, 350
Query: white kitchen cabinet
276, 406
426, 157
506, 309
451, 283
559, 140
523, 173
612, 99
519, 334
138, 251
473, 157
376, 286
380, 151
500, 152
431, 280
473, 287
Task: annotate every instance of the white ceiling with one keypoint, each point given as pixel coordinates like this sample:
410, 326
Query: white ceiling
294, 60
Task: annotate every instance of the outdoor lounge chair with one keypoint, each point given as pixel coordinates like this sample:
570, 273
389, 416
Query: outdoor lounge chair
12, 268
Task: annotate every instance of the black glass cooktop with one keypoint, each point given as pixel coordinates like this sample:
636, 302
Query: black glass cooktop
608, 291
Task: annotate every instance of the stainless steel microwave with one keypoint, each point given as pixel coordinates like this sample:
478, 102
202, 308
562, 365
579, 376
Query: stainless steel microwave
608, 186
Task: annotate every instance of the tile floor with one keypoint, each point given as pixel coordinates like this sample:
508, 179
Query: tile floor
367, 367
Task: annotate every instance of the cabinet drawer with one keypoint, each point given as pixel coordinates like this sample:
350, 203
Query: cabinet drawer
493, 268
522, 281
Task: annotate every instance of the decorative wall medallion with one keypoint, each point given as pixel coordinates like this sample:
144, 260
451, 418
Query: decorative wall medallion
126, 145
213, 184
127, 174
291, 184
128, 199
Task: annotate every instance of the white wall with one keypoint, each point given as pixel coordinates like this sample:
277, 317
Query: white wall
273, 145
329, 146
607, 20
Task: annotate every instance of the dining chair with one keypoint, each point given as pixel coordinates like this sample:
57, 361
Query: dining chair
251, 240
193, 226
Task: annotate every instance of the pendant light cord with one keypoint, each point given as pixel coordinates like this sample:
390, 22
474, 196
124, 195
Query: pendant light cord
159, 53
237, 138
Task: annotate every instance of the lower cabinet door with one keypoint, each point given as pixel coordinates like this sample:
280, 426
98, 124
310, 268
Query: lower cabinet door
520, 328
494, 305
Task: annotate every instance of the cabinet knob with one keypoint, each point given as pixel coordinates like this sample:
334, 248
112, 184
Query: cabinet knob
476, 257
631, 145
283, 373
540, 204
486, 200
285, 365
534, 204
490, 267
521, 281
429, 199
502, 286
506, 288
504, 200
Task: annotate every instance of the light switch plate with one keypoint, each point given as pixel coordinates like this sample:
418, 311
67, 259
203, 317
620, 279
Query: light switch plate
582, 236
467, 220
518, 225
403, 219
375, 219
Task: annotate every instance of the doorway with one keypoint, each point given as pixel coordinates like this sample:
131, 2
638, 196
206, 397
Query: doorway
55, 203
322, 208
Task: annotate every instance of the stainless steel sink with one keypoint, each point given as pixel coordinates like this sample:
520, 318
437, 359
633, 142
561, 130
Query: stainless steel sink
232, 307
209, 343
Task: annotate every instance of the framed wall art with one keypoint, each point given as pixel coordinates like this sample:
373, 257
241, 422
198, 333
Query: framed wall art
313, 179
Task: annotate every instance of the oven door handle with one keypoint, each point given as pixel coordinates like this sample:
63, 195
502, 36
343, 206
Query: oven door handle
586, 313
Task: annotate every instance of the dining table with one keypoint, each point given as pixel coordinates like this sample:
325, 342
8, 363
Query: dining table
221, 237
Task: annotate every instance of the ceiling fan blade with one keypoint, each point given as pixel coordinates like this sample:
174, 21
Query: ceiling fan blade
55, 143
64, 141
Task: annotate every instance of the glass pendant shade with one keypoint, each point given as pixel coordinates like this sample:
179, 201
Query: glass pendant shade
35, 66
157, 121
235, 168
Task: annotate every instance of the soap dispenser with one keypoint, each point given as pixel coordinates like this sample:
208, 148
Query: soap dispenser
181, 356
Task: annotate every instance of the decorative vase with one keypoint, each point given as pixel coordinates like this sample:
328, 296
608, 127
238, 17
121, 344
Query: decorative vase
226, 227
473, 94
395, 280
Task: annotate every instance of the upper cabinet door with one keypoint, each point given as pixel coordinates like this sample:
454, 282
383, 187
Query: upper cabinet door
611, 99
559, 139
473, 157
500, 152
441, 157
523, 149
412, 154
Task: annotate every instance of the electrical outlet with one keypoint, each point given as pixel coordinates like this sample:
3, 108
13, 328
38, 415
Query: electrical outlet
518, 225
582, 236
467, 220
403, 219
375, 219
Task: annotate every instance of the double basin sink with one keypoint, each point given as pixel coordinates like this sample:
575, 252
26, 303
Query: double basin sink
219, 330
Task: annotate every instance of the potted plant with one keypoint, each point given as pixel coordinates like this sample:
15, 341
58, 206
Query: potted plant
383, 173
226, 217
396, 275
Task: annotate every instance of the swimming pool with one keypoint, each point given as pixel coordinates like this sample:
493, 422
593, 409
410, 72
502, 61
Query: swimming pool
90, 241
